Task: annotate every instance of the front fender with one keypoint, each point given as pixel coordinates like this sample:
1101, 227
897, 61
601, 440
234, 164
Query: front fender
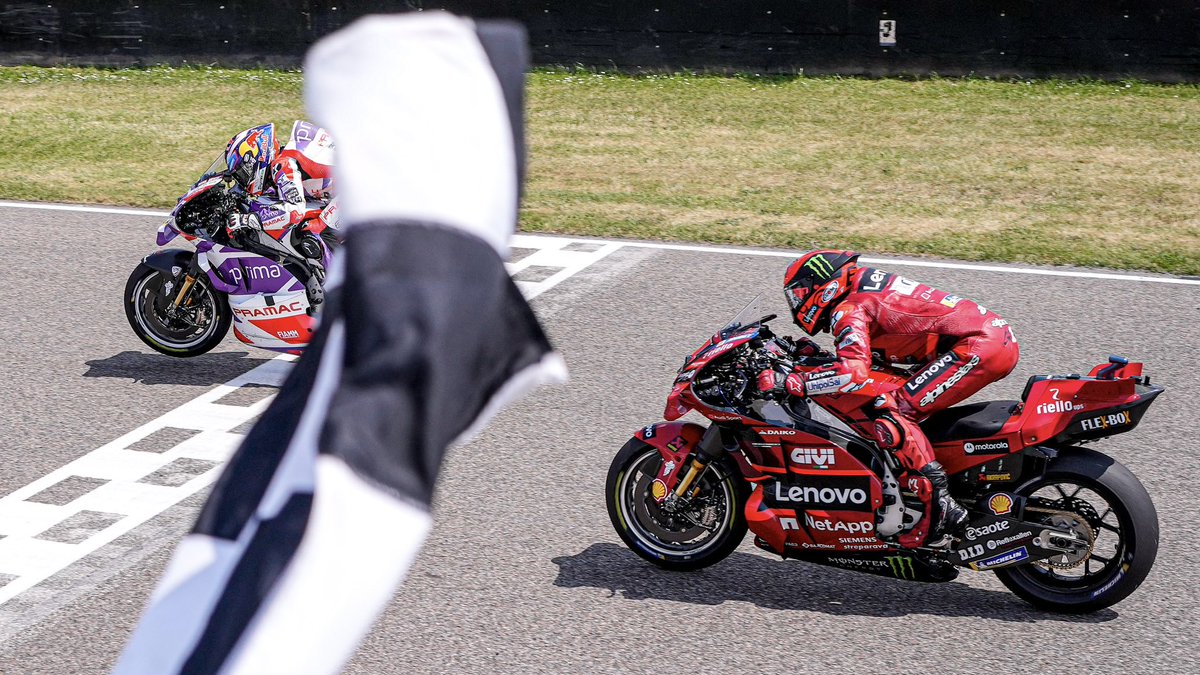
674, 441
167, 258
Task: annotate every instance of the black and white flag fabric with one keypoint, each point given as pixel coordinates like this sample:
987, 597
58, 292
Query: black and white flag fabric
323, 508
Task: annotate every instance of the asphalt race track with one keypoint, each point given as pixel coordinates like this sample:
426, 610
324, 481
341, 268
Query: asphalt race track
523, 572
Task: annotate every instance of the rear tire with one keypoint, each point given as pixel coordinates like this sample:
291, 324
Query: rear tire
669, 539
1126, 522
192, 331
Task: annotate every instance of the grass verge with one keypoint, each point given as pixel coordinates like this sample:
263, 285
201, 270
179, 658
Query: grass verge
1084, 173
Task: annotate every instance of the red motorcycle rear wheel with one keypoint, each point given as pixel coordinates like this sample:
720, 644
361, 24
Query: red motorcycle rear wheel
1102, 493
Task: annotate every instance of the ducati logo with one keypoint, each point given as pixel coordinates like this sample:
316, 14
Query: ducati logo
903, 286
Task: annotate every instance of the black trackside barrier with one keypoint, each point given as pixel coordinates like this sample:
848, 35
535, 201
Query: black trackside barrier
1111, 39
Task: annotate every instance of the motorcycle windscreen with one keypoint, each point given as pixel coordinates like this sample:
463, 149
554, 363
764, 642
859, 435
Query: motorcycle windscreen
754, 310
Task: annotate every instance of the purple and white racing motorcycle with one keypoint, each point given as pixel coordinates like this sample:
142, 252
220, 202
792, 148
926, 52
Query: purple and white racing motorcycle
181, 301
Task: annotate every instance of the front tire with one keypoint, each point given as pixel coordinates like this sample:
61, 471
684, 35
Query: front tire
1106, 496
704, 532
189, 331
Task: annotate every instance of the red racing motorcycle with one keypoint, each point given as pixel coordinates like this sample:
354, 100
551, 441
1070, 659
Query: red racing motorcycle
1063, 526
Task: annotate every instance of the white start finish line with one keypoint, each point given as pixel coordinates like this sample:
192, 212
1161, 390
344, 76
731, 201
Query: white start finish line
120, 486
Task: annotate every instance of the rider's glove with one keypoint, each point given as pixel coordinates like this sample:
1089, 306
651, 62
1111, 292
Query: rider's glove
806, 347
803, 347
240, 223
771, 384
775, 384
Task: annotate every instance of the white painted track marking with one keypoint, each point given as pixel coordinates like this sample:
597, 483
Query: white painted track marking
84, 209
928, 263
124, 500
1112, 276
31, 559
550, 254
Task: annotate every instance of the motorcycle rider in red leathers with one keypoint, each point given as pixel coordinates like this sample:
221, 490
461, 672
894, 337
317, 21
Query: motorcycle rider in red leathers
283, 181
960, 345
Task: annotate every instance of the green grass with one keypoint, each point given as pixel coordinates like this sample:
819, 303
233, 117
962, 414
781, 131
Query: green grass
1085, 173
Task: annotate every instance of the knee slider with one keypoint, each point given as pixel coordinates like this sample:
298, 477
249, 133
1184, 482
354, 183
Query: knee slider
888, 434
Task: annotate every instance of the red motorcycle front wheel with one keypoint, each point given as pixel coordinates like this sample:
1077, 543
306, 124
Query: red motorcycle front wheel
698, 533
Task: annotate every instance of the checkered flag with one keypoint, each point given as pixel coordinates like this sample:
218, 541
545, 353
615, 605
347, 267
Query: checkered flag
322, 510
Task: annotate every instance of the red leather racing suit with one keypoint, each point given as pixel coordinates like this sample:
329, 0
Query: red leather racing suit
962, 348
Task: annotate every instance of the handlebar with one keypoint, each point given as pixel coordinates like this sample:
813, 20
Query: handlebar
205, 215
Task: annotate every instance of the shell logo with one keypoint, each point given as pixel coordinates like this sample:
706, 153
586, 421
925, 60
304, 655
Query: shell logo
1000, 504
658, 490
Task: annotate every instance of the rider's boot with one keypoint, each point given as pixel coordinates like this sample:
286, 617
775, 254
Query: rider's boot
310, 249
316, 294
949, 518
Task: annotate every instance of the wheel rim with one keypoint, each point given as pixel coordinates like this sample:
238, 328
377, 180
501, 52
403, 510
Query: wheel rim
196, 323
674, 534
1094, 506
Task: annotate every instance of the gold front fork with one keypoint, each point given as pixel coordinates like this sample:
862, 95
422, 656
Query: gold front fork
183, 290
693, 471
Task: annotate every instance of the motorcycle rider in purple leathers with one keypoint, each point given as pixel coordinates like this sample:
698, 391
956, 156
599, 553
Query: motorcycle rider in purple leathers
282, 182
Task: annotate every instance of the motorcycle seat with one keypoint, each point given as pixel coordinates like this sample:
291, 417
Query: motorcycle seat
973, 420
